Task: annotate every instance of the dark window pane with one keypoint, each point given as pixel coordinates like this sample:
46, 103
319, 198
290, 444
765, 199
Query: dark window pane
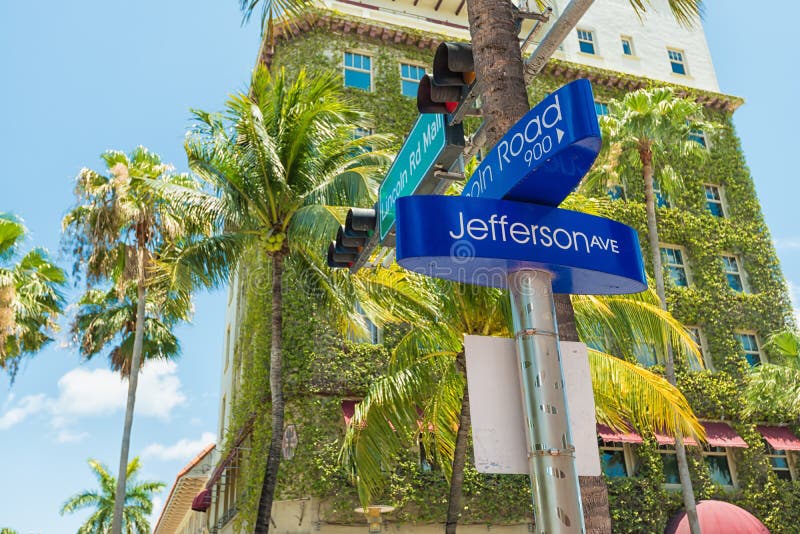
670, 462
678, 276
586, 48
616, 192
678, 68
735, 282
753, 359
719, 469
359, 80
409, 88
715, 208
613, 463
780, 462
626, 47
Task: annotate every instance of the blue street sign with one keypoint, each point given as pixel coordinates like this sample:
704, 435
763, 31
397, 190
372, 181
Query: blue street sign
430, 143
544, 156
479, 241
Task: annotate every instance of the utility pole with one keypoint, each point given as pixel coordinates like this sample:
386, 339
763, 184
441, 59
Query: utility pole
504, 100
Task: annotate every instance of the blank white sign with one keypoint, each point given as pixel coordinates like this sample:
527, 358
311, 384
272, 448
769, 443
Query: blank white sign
495, 399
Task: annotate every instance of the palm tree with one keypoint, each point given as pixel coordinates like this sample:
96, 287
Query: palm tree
273, 167
117, 229
30, 296
774, 389
138, 501
425, 386
641, 132
108, 317
498, 64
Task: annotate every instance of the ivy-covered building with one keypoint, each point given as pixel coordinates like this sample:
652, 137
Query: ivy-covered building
725, 284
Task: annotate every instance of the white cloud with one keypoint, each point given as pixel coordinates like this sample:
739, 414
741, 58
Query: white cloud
101, 392
787, 243
184, 449
28, 405
68, 436
98, 392
794, 295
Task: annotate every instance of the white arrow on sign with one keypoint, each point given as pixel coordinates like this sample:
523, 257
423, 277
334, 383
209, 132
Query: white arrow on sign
559, 133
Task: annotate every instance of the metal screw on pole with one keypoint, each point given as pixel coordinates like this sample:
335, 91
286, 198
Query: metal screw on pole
551, 453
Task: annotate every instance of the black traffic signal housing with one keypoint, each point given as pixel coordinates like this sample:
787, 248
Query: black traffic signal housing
453, 73
359, 226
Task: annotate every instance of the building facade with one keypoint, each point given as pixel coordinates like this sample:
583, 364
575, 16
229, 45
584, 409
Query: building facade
724, 283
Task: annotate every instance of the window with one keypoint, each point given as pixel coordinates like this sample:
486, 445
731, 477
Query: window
357, 71
697, 337
677, 61
586, 41
359, 132
714, 200
627, 45
410, 75
615, 459
750, 350
227, 347
616, 192
601, 108
645, 354
733, 273
779, 460
718, 465
669, 461
672, 258
661, 199
374, 333
426, 464
699, 137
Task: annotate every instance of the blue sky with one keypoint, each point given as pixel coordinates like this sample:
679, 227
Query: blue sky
82, 77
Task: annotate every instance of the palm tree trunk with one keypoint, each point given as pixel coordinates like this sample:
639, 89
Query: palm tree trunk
498, 62
646, 156
454, 504
276, 390
133, 382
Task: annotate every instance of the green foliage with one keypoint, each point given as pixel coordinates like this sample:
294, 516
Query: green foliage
138, 504
30, 296
318, 363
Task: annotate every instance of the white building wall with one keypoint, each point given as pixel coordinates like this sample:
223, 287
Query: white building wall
656, 31
228, 379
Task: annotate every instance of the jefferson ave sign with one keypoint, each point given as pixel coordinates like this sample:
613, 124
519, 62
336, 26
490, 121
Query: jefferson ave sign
479, 241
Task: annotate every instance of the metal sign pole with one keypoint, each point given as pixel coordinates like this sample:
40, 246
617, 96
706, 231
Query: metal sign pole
551, 453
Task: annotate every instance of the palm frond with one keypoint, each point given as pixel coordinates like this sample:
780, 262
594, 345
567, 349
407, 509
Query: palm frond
626, 393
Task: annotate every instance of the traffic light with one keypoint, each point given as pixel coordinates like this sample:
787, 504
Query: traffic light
351, 239
453, 73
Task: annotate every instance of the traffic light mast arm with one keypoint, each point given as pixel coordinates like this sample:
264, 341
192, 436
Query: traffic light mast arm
366, 252
561, 28
466, 103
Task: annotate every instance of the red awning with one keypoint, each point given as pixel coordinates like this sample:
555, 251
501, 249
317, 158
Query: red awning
608, 434
234, 451
664, 439
780, 438
717, 435
721, 435
348, 410
202, 501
